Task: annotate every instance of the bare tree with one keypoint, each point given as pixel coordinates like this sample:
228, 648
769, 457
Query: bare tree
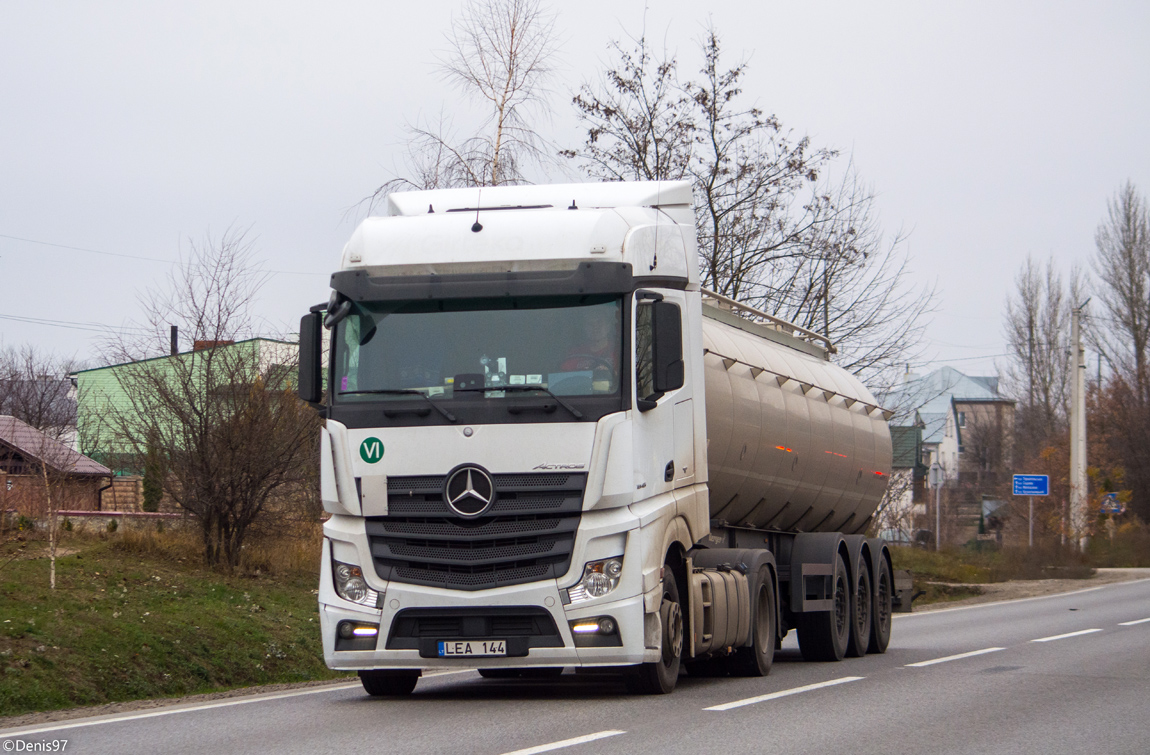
500, 55
221, 421
769, 233
639, 119
36, 390
1038, 336
1123, 269
34, 387
1122, 334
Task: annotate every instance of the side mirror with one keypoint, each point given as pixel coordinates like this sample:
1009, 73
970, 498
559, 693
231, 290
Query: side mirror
658, 349
310, 387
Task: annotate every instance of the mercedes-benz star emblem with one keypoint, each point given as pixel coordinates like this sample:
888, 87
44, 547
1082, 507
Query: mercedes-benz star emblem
469, 491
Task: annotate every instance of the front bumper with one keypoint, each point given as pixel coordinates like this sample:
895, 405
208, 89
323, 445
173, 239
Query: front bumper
628, 615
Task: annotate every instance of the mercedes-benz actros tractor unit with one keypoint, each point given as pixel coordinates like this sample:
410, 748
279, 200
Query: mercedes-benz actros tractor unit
547, 446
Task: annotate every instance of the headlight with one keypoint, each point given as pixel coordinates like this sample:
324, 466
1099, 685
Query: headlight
599, 578
350, 585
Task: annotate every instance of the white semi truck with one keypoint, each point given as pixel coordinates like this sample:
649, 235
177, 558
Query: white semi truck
546, 446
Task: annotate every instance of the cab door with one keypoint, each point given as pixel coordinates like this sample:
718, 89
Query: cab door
663, 418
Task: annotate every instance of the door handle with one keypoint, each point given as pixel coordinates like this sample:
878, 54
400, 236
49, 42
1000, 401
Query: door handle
669, 472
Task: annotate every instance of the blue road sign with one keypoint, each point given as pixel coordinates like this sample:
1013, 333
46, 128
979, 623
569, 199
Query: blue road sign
1031, 484
1111, 504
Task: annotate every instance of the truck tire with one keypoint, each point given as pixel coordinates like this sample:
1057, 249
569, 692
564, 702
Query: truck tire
862, 613
756, 659
881, 616
381, 683
823, 635
660, 677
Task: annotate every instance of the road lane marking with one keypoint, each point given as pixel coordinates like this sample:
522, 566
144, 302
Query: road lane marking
784, 693
971, 654
1068, 634
1132, 623
82, 722
171, 711
567, 742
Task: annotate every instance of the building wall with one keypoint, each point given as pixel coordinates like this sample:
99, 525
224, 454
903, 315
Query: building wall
105, 396
25, 494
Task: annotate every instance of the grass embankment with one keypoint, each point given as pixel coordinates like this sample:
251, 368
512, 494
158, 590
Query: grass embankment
137, 616
955, 573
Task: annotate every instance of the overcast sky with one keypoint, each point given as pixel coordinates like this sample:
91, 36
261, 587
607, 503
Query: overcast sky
989, 130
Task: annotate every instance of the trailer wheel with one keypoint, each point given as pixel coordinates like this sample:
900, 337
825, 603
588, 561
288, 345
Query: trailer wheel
881, 617
381, 683
660, 677
862, 604
823, 635
756, 659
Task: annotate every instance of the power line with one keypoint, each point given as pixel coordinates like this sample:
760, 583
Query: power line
127, 256
94, 327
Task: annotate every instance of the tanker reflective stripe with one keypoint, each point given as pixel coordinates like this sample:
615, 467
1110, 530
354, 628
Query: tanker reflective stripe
371, 450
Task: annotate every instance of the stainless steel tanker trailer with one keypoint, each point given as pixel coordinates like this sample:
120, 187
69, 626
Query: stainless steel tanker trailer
546, 446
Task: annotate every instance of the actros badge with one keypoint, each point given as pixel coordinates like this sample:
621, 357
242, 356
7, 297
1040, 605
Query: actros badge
469, 491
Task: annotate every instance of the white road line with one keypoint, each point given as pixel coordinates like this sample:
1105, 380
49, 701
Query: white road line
1068, 634
82, 722
176, 709
1132, 623
567, 742
784, 693
971, 654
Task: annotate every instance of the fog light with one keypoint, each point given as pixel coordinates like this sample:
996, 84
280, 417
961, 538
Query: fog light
596, 632
352, 635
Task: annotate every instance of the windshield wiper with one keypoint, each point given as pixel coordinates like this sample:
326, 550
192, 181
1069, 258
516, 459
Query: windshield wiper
520, 388
402, 392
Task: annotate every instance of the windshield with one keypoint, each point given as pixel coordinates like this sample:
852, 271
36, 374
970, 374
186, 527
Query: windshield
479, 349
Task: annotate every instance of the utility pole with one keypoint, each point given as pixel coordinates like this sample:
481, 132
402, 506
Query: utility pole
935, 479
1078, 491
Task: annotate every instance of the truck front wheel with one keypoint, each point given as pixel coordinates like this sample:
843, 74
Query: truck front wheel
386, 683
756, 659
660, 677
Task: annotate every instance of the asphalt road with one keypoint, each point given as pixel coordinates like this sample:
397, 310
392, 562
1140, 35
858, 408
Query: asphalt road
1067, 673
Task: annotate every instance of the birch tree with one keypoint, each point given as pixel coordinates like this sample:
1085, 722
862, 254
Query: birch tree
500, 57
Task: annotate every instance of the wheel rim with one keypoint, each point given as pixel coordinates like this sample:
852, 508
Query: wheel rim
863, 613
841, 605
672, 631
883, 616
763, 622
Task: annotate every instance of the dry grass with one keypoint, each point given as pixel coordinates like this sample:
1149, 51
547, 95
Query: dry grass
295, 554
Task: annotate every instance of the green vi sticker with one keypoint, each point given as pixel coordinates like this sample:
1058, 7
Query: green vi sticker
371, 450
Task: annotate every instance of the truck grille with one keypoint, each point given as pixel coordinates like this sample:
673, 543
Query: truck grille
527, 535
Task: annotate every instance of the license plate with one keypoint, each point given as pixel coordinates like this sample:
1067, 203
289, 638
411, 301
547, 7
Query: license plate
453, 648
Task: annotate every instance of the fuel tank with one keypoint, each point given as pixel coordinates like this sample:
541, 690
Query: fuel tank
794, 443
